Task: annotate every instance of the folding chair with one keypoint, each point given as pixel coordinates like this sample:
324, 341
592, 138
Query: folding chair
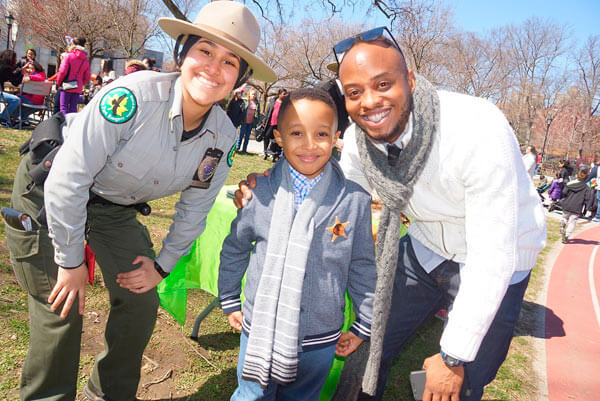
43, 88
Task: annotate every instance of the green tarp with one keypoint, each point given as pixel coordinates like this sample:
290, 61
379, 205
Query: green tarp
199, 268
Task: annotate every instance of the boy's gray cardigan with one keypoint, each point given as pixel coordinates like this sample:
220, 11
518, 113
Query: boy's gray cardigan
332, 266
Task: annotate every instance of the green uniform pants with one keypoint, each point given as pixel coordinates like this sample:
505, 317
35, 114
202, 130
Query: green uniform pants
51, 366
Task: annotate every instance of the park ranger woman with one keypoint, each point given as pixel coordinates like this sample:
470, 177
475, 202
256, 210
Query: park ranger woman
145, 136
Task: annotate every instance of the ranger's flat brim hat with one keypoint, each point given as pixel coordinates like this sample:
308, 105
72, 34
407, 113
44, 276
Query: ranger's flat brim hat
229, 24
333, 67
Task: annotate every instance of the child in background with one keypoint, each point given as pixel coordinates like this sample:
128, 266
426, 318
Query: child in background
304, 239
555, 191
576, 195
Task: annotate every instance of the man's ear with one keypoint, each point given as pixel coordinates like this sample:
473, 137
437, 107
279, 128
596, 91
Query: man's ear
336, 136
277, 136
412, 80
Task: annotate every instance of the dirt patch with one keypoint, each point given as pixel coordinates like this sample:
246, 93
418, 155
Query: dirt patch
173, 366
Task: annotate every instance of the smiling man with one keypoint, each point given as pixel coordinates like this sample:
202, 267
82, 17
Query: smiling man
451, 164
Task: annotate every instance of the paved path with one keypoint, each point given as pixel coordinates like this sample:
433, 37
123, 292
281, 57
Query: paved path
573, 320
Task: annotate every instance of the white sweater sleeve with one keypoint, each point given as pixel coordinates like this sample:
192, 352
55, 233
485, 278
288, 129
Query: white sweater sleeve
490, 175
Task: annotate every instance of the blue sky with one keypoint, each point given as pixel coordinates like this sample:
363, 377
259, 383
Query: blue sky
582, 15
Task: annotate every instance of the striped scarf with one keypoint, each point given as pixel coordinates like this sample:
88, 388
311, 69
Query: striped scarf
272, 352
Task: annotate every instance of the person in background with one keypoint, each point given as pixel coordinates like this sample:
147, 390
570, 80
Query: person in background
271, 121
529, 159
249, 120
538, 163
150, 64
96, 85
235, 109
56, 98
134, 65
594, 177
32, 72
30, 55
555, 192
576, 196
107, 72
74, 67
9, 72
565, 172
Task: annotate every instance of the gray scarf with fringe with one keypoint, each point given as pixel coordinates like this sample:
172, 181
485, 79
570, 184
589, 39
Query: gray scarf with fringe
395, 187
272, 353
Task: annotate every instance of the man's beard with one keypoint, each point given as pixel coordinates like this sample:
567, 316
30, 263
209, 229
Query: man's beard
398, 128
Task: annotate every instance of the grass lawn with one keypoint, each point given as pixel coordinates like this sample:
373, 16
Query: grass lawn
176, 368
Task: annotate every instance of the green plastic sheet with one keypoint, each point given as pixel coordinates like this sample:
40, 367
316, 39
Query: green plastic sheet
200, 267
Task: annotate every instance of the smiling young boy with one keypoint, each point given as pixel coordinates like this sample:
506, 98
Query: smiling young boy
304, 239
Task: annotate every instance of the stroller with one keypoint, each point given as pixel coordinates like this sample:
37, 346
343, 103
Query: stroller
274, 151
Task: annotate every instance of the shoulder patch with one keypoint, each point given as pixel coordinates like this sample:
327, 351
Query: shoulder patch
231, 155
118, 105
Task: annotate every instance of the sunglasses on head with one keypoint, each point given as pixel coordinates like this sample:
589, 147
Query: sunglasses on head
368, 36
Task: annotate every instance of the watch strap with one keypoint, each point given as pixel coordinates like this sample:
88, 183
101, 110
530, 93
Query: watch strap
450, 360
160, 270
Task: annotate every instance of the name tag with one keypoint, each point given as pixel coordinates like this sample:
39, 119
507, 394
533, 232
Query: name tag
205, 172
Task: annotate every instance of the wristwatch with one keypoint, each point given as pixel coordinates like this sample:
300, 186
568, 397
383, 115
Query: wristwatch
160, 270
451, 361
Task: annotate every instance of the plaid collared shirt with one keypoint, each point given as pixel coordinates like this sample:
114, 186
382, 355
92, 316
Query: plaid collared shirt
302, 186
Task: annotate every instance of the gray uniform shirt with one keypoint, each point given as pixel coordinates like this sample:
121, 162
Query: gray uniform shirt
135, 161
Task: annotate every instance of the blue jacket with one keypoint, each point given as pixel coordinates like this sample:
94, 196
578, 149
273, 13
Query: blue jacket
332, 267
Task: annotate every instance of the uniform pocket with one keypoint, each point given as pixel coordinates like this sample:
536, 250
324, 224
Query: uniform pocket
124, 173
22, 244
32, 260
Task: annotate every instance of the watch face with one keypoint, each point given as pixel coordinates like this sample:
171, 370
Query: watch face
452, 362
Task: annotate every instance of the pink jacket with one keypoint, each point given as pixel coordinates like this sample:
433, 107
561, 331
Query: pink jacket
76, 64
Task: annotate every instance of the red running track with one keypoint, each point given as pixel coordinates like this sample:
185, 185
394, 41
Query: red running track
573, 321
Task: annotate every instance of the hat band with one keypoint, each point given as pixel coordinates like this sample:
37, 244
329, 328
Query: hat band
218, 32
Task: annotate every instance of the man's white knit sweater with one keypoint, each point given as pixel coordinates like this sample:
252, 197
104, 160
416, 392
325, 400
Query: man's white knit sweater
474, 204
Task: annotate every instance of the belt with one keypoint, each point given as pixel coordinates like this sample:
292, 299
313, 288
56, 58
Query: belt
143, 208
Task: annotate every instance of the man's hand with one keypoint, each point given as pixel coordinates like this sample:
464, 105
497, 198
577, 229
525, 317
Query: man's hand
235, 320
243, 195
70, 283
142, 279
442, 382
339, 144
347, 344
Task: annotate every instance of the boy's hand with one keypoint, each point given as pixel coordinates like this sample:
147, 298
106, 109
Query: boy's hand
244, 194
235, 320
347, 344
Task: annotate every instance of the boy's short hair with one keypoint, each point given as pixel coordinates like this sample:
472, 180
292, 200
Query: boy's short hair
310, 94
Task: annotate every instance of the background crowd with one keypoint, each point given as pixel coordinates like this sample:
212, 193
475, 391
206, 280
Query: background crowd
73, 85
